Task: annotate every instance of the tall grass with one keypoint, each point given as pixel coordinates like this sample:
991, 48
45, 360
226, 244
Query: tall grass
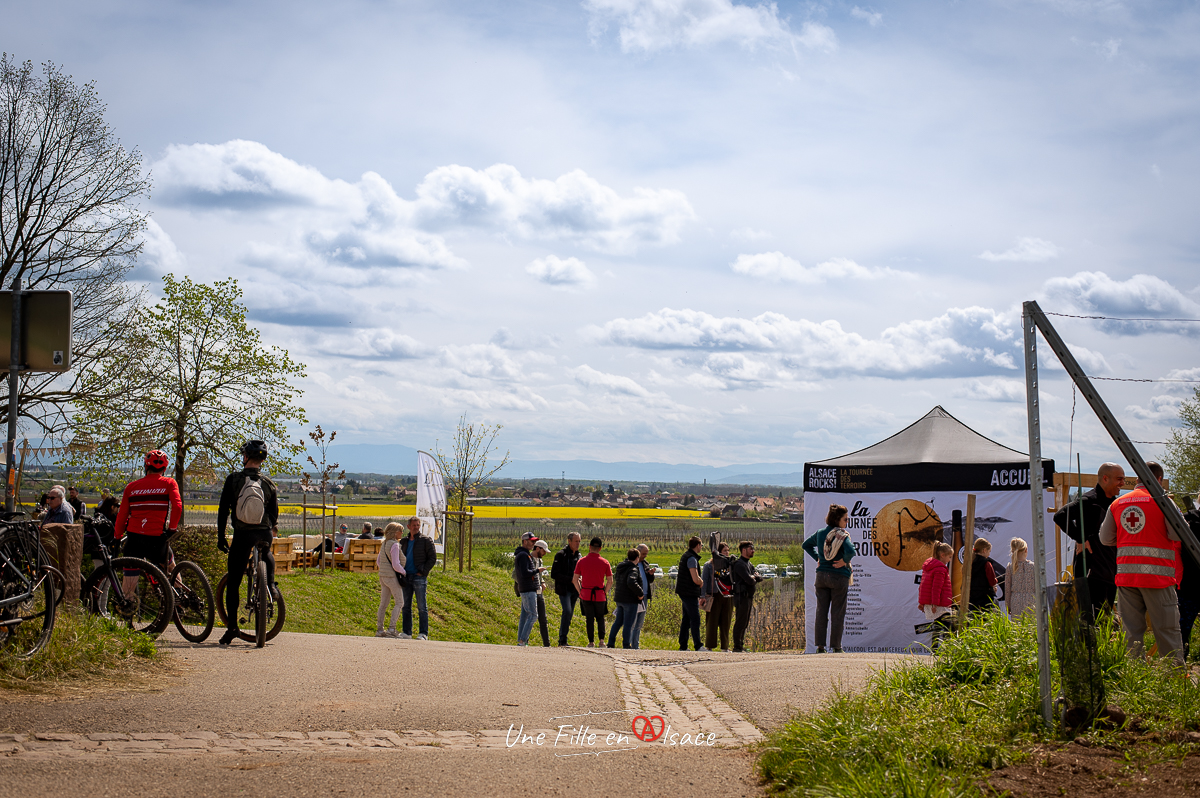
82, 646
934, 728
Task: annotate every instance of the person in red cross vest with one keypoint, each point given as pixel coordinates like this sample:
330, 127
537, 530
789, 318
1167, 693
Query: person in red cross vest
1149, 568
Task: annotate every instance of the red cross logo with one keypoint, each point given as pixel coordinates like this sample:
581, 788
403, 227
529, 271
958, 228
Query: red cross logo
1133, 520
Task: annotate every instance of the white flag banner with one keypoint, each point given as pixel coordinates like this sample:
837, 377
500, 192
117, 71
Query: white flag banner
431, 500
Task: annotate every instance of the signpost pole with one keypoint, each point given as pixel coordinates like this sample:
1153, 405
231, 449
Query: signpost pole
1036, 494
14, 377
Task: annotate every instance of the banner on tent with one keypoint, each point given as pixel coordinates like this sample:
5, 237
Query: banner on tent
431, 500
893, 535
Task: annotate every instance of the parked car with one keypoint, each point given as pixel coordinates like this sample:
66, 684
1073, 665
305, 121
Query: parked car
658, 572
793, 572
674, 571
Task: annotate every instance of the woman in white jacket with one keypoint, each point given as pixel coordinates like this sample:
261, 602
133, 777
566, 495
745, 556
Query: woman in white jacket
391, 571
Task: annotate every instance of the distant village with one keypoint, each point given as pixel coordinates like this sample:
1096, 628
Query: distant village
758, 502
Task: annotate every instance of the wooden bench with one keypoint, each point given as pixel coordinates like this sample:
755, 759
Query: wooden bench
358, 555
285, 555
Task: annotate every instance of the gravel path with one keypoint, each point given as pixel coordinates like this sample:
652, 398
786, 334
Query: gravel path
323, 714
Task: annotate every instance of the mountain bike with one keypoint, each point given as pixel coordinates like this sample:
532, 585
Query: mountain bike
149, 607
267, 611
27, 589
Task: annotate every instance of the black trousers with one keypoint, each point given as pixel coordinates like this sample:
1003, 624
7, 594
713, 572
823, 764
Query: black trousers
594, 612
239, 556
743, 605
689, 622
541, 607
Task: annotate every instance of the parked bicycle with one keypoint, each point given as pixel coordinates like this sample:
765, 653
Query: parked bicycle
266, 611
28, 597
147, 606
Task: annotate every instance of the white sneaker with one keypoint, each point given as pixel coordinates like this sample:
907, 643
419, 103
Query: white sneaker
704, 648
381, 633
422, 637
403, 636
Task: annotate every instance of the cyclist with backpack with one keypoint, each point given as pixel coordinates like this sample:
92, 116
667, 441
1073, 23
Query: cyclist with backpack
150, 511
250, 496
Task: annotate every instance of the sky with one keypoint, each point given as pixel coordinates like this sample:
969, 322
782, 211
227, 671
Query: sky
695, 231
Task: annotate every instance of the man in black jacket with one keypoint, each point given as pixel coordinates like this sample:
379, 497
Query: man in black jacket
745, 582
562, 572
246, 531
1091, 508
525, 572
628, 595
420, 558
687, 587
1189, 587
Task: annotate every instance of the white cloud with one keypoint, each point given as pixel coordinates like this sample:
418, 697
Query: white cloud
1026, 250
574, 207
998, 390
613, 383
559, 273
159, 254
872, 18
748, 234
367, 225
779, 267
373, 344
353, 388
1141, 296
961, 342
482, 361
649, 25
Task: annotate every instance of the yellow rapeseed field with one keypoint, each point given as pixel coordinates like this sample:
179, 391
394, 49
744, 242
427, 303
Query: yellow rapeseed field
492, 511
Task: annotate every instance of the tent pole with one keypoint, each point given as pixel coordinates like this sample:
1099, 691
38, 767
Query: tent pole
1039, 517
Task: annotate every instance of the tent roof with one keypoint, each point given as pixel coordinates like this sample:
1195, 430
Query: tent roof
938, 437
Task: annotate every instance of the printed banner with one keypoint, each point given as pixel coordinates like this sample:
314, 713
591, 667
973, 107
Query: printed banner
893, 535
431, 500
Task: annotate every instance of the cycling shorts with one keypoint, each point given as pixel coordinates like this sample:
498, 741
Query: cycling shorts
147, 547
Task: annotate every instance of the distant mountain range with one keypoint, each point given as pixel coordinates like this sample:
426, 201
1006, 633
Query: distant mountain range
397, 459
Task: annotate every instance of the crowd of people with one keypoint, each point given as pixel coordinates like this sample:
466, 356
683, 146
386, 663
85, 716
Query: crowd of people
587, 581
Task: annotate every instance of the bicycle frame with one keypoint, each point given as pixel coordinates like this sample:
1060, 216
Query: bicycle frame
8, 564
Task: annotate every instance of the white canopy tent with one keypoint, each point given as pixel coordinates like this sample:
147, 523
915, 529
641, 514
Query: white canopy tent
902, 493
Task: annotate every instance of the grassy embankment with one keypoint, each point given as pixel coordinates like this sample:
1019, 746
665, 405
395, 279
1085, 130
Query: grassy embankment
935, 729
82, 647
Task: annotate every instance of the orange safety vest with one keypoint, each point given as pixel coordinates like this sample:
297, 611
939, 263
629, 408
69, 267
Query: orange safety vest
1146, 557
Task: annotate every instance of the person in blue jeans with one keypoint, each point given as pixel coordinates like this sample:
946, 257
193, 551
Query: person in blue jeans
647, 577
420, 558
628, 594
525, 573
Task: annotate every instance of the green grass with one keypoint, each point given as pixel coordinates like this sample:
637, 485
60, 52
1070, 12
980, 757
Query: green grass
934, 729
82, 646
476, 606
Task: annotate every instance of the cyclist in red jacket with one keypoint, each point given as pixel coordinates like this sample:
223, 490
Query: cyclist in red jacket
150, 511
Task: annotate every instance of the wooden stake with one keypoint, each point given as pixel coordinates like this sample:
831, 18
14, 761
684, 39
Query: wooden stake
968, 559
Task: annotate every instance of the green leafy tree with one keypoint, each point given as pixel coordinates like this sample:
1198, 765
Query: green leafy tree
1182, 457
196, 381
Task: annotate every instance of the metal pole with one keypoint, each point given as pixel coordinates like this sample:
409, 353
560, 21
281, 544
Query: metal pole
1039, 516
14, 387
1170, 512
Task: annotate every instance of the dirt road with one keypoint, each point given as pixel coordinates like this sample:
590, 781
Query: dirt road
323, 715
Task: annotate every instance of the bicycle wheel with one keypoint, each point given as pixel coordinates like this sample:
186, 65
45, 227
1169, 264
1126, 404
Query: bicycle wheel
262, 599
148, 608
275, 616
26, 626
193, 602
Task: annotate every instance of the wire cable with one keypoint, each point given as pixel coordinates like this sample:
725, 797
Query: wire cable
1115, 318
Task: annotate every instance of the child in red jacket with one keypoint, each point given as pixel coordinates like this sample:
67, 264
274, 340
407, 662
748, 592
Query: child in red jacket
935, 595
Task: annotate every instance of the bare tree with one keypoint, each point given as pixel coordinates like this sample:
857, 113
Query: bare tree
466, 466
325, 473
69, 219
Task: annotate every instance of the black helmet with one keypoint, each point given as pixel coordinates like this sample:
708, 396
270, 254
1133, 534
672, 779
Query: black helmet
254, 450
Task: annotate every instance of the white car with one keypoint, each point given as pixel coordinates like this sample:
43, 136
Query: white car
674, 571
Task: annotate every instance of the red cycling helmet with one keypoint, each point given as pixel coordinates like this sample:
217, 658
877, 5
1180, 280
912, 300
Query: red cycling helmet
157, 460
